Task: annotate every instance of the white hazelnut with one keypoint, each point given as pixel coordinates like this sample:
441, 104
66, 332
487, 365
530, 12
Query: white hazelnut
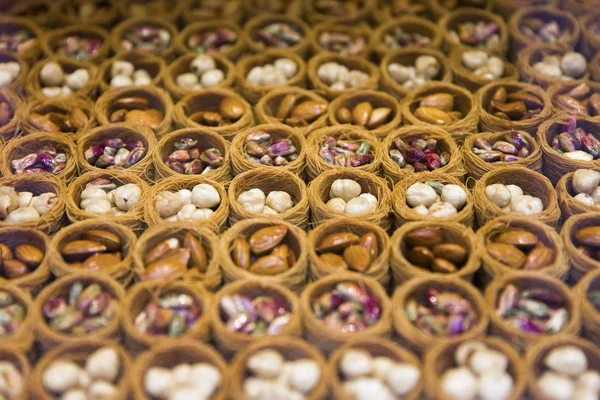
402, 378
120, 67
474, 59
584, 395
550, 71
25, 199
573, 64
21, 215
187, 80
368, 389
358, 206
167, 204
371, 199
65, 91
556, 386
269, 211
400, 73
287, 66
265, 363
185, 196
252, 200
102, 390
202, 63
279, 201
498, 194
427, 66
460, 384
527, 205
103, 364
93, 192
304, 375
337, 86
328, 72
44, 202
420, 194
255, 388
356, 363
206, 377
382, 367
579, 155
5, 78
465, 350
60, 376
158, 382
455, 195
96, 206
442, 210
488, 360
589, 381
345, 189
515, 192
202, 213
9, 199
52, 74
337, 205
141, 78
496, 66
187, 393
11, 381
255, 76
78, 79
212, 78
74, 394
186, 212
421, 209
495, 386
567, 359
120, 81
127, 196
205, 196
585, 199
274, 77
356, 78
585, 180
53, 91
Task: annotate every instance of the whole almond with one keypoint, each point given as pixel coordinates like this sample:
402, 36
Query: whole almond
440, 101
530, 100
420, 256
309, 110
344, 116
452, 252
42, 124
211, 118
166, 267
333, 260
148, 118
378, 117
161, 249
361, 113
117, 115
14, 269
506, 254
579, 92
77, 118
442, 266
266, 239
59, 120
231, 108
517, 237
269, 265
336, 242
499, 95
538, 258
594, 104
369, 242
514, 110
282, 251
433, 116
197, 254
5, 252
5, 113
28, 254
285, 106
589, 236
131, 103
427, 237
357, 258
101, 261
241, 253
109, 239
79, 250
